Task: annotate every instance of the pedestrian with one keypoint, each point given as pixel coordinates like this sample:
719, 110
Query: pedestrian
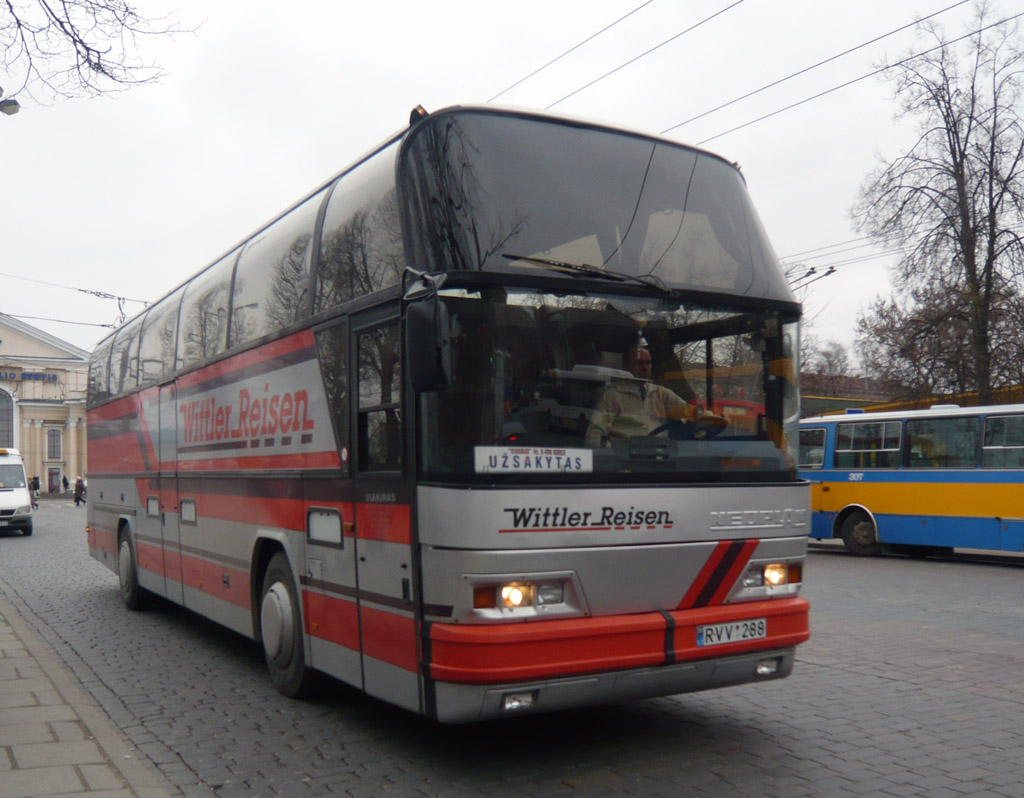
79, 491
64, 480
35, 493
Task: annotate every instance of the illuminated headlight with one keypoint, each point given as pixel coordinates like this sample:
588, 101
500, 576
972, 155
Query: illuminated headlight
512, 595
764, 580
516, 595
773, 575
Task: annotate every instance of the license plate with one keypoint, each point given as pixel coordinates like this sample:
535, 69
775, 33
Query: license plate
715, 634
3, 522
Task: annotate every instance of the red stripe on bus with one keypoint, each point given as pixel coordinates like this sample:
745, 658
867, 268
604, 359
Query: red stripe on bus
283, 346
737, 568
258, 462
525, 651
389, 637
510, 653
386, 522
335, 620
705, 574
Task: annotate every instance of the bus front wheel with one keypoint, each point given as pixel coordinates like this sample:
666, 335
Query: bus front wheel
281, 630
860, 536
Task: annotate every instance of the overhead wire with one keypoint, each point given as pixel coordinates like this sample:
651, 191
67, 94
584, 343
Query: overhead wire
862, 77
805, 70
570, 50
643, 54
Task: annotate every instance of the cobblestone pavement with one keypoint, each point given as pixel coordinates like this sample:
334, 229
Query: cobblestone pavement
912, 684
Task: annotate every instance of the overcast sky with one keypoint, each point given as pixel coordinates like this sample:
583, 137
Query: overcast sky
132, 194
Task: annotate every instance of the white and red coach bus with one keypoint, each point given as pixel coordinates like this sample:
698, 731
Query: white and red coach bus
331, 439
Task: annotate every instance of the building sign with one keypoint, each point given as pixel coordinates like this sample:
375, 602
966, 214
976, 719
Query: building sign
26, 376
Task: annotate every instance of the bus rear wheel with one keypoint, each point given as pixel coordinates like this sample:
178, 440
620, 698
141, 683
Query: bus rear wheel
281, 630
133, 596
860, 536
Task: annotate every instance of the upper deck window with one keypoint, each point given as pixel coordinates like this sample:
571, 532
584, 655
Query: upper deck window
481, 188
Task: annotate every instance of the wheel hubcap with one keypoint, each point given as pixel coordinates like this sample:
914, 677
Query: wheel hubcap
124, 565
276, 625
864, 533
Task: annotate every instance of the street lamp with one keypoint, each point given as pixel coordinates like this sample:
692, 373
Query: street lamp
8, 107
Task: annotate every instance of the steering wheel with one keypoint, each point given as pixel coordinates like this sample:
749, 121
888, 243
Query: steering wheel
694, 430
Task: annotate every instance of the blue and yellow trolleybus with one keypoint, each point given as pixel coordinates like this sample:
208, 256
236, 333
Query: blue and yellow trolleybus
920, 481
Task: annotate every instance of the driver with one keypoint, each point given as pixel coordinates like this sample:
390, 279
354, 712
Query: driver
628, 408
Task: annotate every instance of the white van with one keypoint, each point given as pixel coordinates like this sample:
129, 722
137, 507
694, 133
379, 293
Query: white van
15, 499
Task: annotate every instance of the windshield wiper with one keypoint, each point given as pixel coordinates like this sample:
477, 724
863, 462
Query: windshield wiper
585, 269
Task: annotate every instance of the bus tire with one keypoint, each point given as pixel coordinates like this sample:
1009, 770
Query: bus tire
281, 630
133, 596
859, 535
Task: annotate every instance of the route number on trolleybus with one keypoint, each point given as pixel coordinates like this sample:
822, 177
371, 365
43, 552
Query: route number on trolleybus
714, 634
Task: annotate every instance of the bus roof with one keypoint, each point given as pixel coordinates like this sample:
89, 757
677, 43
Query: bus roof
946, 411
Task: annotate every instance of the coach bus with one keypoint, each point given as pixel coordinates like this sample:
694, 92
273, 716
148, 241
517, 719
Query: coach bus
329, 439
919, 481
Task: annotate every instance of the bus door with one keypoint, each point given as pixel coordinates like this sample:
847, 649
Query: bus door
383, 529
167, 457
332, 597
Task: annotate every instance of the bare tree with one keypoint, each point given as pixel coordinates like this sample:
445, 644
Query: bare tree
954, 200
75, 48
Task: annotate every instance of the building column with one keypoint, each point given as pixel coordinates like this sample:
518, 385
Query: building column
37, 452
73, 467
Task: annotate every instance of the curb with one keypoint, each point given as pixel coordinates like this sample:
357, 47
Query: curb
140, 778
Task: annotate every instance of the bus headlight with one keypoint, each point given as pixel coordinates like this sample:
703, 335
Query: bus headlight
762, 580
516, 595
541, 595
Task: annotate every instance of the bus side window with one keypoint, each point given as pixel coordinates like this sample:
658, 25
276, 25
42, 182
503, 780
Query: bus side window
204, 313
1004, 442
159, 336
332, 351
361, 243
98, 367
812, 448
271, 288
124, 359
380, 439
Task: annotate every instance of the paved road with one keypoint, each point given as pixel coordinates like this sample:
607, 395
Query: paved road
912, 684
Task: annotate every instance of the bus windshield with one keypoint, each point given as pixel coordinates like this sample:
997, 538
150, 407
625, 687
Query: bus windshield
596, 387
481, 189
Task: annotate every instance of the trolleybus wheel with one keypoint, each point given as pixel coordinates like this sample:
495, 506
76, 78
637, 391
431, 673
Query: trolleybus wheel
281, 630
860, 536
133, 596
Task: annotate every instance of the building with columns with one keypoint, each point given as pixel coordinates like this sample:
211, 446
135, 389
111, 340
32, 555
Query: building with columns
42, 402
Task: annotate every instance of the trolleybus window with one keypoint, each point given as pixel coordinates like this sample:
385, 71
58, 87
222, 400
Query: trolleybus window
1004, 442
812, 448
942, 443
868, 445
